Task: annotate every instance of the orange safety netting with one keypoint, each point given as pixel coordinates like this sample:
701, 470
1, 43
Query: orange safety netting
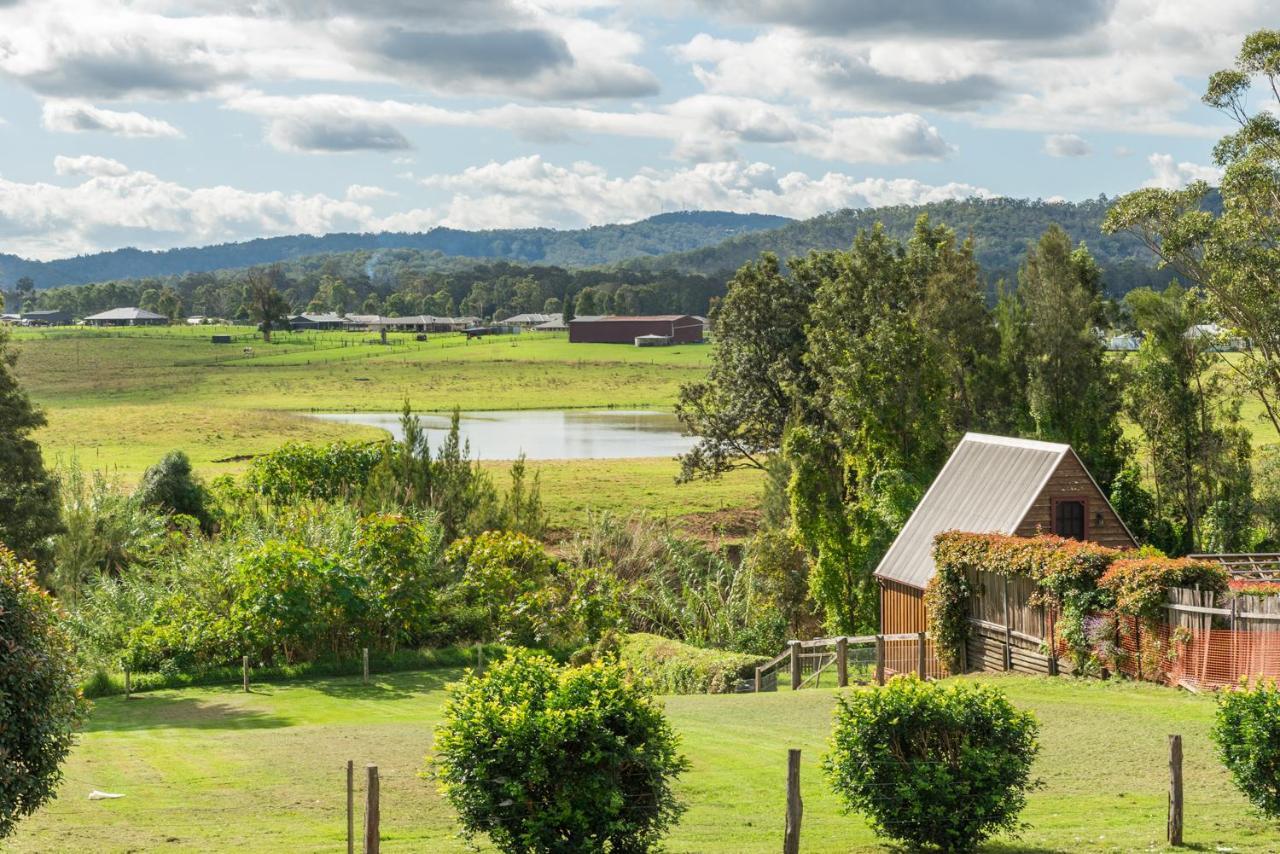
1196, 658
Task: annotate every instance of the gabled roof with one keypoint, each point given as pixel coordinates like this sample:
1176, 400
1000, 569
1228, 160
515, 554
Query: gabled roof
126, 314
987, 487
626, 318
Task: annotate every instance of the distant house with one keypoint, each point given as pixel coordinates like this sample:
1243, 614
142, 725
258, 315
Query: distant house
318, 322
1220, 340
126, 317
46, 318
526, 321
1123, 343
623, 329
555, 324
993, 485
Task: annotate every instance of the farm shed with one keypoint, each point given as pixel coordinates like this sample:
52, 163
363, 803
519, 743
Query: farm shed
300, 322
126, 317
993, 485
621, 329
527, 320
46, 318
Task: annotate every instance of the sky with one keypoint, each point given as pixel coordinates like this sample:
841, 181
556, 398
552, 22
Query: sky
154, 124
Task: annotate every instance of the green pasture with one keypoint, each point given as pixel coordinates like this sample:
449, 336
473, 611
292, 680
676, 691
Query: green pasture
215, 769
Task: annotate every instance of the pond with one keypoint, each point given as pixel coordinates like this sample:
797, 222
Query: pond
546, 434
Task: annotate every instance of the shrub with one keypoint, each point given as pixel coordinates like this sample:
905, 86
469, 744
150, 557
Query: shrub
1139, 585
1067, 572
542, 758
295, 470
931, 764
677, 668
170, 487
1246, 731
42, 705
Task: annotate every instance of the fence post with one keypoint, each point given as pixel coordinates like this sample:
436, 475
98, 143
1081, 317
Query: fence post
1175, 790
921, 664
842, 662
1053, 642
757, 680
127, 685
371, 816
795, 665
879, 659
351, 807
795, 807
366, 665
1137, 642
244, 662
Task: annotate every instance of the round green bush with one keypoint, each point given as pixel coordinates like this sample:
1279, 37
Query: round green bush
543, 758
41, 704
1247, 733
933, 765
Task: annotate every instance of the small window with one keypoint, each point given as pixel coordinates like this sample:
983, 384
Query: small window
1068, 519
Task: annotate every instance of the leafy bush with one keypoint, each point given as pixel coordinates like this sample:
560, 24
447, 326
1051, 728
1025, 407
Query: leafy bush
1139, 585
932, 764
42, 705
530, 598
296, 470
1067, 572
677, 668
542, 758
170, 487
1246, 731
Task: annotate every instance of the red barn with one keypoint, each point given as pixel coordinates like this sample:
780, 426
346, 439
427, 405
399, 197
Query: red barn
620, 329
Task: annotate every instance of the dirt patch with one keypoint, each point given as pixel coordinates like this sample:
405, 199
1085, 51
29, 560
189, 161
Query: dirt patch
718, 526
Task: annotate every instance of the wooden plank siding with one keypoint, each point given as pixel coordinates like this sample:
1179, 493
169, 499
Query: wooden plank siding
1070, 480
901, 608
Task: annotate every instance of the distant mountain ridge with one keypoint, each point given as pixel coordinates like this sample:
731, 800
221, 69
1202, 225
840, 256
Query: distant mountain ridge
587, 247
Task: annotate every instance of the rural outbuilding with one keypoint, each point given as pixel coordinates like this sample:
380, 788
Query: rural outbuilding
48, 317
993, 485
126, 317
622, 329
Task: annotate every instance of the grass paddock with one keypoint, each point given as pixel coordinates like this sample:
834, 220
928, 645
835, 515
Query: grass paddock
217, 769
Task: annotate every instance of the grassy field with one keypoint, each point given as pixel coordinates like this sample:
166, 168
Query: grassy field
217, 769
118, 400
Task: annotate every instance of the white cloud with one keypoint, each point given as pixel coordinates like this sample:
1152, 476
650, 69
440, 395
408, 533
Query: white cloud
78, 117
367, 193
530, 191
1066, 145
1173, 176
89, 164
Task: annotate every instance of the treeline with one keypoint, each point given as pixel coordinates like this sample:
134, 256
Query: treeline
442, 247
395, 283
1001, 230
851, 377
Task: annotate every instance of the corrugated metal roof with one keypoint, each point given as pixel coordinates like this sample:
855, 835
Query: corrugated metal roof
986, 487
126, 314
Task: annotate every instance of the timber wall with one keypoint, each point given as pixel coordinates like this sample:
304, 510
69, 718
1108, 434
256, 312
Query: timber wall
901, 608
1070, 480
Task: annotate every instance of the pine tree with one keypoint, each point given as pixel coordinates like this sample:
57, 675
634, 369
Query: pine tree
29, 511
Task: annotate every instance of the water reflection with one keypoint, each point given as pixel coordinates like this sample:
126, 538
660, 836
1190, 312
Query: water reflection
547, 434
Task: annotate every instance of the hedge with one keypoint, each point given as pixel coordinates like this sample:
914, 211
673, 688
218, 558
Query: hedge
1138, 585
678, 668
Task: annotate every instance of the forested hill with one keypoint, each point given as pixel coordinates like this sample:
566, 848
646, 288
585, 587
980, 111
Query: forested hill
600, 245
1001, 230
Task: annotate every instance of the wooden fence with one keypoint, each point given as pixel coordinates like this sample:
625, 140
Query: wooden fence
1207, 641
843, 660
1007, 631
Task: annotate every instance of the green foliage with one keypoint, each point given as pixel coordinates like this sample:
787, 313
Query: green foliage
28, 492
42, 706
1246, 731
1073, 392
529, 598
170, 487
298, 471
1066, 571
545, 759
1138, 585
678, 668
943, 766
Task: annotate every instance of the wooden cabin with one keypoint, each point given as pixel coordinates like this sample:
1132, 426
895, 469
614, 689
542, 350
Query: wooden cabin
993, 485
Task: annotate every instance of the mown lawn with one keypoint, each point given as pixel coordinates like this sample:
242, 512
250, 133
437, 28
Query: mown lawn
214, 769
